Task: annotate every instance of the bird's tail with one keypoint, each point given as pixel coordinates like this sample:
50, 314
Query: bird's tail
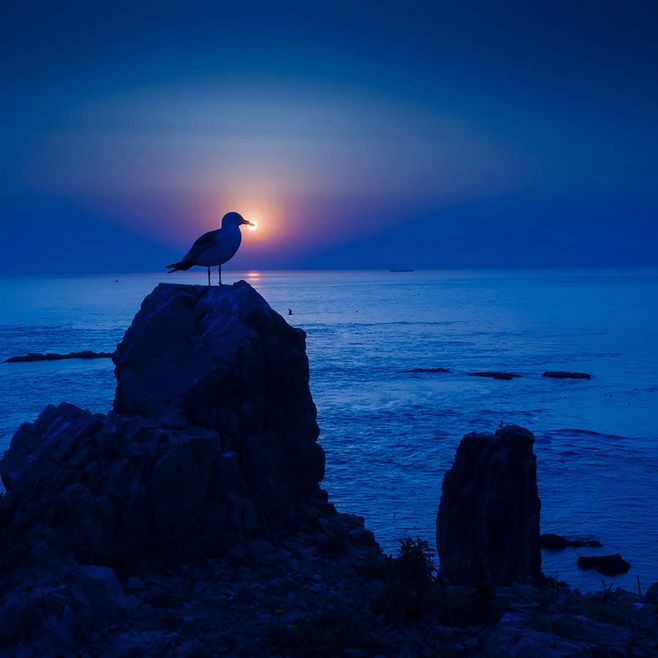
181, 265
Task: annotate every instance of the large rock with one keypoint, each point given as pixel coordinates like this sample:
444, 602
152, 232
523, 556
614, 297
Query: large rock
212, 438
488, 520
215, 357
222, 359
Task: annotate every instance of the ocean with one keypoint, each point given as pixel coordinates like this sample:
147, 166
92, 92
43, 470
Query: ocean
390, 435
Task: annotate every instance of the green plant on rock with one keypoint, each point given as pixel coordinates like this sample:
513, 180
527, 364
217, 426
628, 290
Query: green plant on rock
411, 591
414, 561
409, 583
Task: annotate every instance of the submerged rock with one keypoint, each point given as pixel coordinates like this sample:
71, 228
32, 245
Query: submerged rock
606, 565
494, 375
552, 542
488, 520
51, 356
426, 370
563, 374
212, 437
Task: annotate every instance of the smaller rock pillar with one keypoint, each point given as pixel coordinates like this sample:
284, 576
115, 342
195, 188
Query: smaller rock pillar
488, 520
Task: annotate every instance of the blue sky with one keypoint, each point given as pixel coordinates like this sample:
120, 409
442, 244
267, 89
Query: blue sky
488, 134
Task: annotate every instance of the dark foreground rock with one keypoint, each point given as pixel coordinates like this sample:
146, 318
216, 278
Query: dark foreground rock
319, 592
488, 520
325, 591
212, 443
51, 356
607, 565
505, 376
213, 437
552, 542
563, 374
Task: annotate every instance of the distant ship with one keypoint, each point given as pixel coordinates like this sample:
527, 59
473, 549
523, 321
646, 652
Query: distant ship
394, 269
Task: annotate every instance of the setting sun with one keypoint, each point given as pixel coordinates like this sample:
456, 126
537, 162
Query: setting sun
253, 226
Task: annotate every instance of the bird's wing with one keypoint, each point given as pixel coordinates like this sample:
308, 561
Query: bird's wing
206, 241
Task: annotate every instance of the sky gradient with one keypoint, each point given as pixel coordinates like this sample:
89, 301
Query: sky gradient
495, 134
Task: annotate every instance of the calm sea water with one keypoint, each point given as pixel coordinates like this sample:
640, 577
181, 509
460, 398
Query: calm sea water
389, 436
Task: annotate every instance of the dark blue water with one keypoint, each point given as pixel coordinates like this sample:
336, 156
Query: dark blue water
388, 435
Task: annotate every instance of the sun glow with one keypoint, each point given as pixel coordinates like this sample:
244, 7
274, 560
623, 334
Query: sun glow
263, 213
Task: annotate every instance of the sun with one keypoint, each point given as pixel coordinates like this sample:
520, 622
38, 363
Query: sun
253, 226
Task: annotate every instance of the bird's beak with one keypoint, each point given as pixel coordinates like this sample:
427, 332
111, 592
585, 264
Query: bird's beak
246, 221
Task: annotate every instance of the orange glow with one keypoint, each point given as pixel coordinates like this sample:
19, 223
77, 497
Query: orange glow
258, 208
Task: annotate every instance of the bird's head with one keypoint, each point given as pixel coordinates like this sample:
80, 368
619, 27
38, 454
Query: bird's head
234, 219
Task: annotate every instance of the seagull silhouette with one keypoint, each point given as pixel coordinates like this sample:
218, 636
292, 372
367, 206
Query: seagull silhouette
215, 247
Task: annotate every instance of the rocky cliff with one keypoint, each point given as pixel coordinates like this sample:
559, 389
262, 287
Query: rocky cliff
213, 435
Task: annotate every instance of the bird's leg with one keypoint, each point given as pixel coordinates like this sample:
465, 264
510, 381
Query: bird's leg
208, 276
219, 274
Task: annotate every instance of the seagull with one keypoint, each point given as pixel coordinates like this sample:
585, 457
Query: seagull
215, 247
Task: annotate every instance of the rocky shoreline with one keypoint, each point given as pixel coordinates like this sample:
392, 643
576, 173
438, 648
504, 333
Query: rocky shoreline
189, 520
315, 593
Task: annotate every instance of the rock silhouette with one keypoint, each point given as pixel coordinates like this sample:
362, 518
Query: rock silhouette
51, 356
504, 376
553, 542
563, 374
212, 437
440, 370
607, 565
488, 519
